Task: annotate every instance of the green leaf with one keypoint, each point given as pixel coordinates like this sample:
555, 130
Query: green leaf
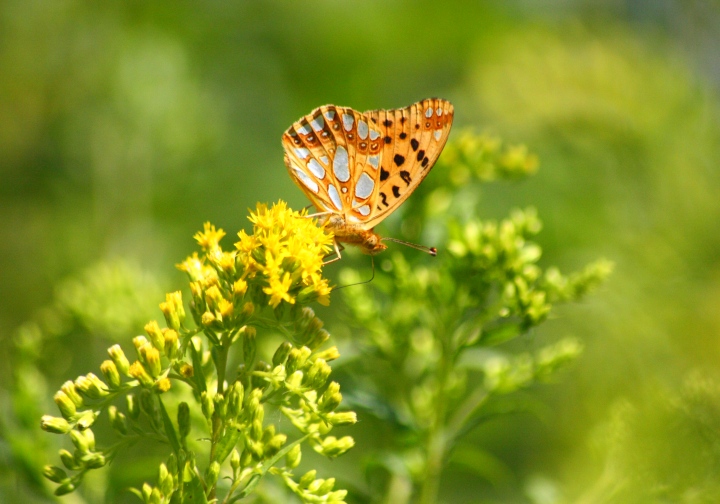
194, 491
198, 375
169, 428
227, 443
499, 334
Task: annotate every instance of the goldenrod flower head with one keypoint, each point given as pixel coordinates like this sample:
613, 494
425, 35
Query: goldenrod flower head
210, 237
288, 249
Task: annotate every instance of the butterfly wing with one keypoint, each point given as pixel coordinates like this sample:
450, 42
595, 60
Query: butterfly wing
413, 139
334, 154
364, 165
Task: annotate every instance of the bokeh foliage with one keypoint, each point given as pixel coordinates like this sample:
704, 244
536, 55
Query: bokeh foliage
125, 126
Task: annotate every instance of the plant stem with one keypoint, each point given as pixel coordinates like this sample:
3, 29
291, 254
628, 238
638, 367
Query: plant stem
436, 440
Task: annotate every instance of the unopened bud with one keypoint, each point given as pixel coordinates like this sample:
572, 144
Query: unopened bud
111, 374
55, 425
118, 357
155, 334
65, 405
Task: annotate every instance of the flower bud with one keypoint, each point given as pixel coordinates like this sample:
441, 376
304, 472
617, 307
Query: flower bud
118, 357
307, 478
80, 442
170, 343
117, 420
139, 342
54, 473
235, 460
65, 488
111, 374
297, 358
213, 471
329, 354
187, 370
240, 287
332, 447
137, 371
132, 406
235, 399
318, 374
68, 460
163, 385
331, 398
293, 457
248, 309
54, 425
183, 419
92, 386
208, 406
165, 480
281, 354
65, 405
249, 345
342, 418
86, 419
155, 334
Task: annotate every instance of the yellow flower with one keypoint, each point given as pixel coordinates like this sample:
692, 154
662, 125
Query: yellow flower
278, 290
210, 237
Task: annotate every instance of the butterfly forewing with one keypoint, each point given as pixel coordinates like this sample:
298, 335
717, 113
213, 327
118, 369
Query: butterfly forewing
364, 165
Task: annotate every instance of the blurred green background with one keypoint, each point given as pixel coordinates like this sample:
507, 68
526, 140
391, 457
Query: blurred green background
125, 125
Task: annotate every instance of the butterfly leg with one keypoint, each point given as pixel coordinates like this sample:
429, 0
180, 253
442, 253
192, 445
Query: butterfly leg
338, 255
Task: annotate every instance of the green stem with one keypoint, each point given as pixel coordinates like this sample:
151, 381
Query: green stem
436, 446
217, 423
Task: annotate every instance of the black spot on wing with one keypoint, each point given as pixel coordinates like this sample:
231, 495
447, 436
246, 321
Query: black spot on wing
420, 155
396, 191
414, 144
387, 139
383, 174
425, 162
399, 160
383, 196
387, 122
405, 175
403, 135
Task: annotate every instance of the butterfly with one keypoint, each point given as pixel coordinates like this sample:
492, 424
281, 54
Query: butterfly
357, 168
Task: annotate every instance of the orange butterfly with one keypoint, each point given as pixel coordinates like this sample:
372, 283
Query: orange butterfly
357, 168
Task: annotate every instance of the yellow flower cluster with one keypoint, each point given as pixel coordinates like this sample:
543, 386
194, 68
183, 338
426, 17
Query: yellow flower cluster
282, 259
288, 249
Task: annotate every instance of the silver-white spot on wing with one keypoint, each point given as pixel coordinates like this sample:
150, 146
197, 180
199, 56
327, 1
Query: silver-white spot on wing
374, 161
348, 121
374, 135
302, 153
364, 187
334, 196
437, 134
428, 113
316, 168
324, 159
362, 129
330, 115
305, 179
304, 129
438, 111
340, 164
317, 123
364, 210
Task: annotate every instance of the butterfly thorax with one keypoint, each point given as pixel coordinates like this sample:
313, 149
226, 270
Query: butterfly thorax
367, 240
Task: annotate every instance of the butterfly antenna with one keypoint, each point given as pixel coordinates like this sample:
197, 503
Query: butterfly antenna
428, 250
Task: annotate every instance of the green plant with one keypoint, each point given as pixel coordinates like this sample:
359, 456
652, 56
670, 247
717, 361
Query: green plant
437, 325
262, 286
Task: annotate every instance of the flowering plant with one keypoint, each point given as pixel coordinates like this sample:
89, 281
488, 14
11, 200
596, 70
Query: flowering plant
224, 447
